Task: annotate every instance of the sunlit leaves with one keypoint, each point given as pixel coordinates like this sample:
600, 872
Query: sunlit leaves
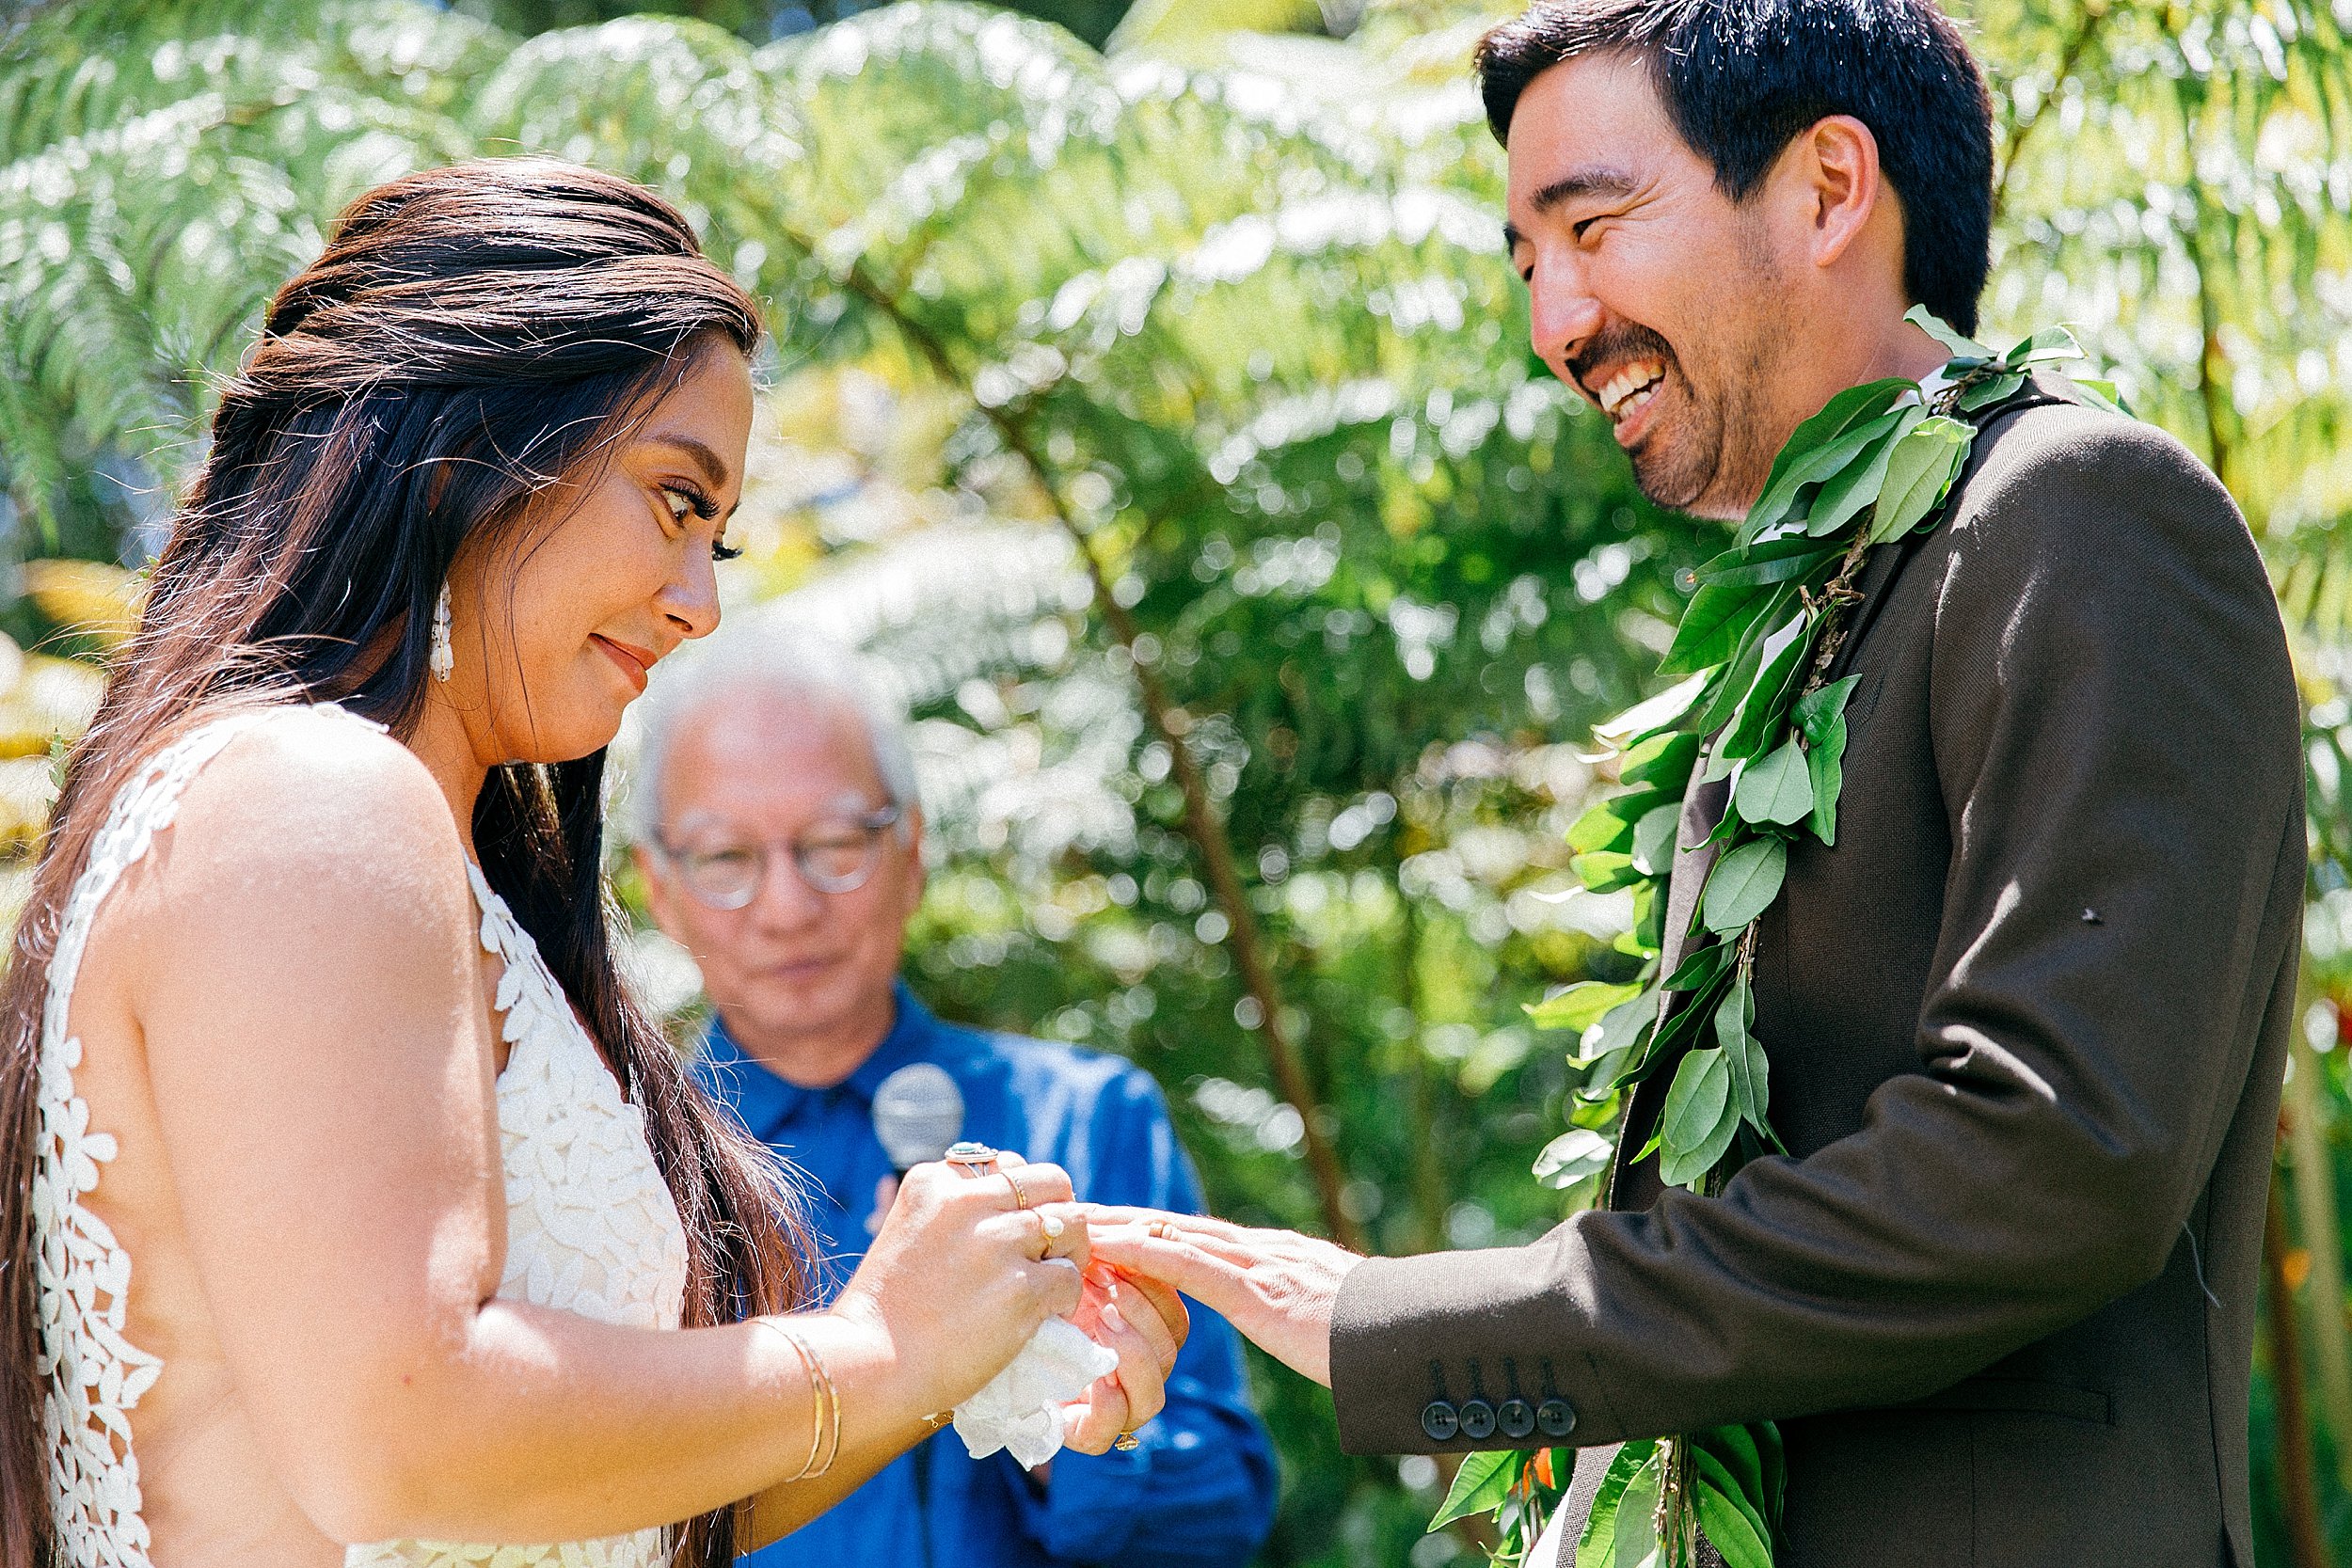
1572, 1156
1918, 474
1775, 790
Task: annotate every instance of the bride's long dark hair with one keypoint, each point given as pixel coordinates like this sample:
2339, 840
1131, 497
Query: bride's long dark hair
470, 336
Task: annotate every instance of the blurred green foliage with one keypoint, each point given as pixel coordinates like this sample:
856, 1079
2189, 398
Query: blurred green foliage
1201, 356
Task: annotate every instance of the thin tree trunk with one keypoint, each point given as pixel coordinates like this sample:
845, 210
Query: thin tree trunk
2299, 1480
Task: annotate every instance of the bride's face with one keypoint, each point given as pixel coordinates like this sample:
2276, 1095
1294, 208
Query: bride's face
554, 626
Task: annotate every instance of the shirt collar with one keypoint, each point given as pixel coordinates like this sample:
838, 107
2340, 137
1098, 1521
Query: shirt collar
766, 1101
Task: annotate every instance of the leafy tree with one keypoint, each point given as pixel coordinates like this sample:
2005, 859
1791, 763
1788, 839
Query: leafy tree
1164, 418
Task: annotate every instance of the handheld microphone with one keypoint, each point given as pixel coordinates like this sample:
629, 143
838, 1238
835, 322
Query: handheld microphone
918, 1112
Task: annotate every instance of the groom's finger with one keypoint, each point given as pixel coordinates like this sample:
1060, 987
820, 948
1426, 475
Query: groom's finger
1197, 1225
1214, 1281
1244, 1248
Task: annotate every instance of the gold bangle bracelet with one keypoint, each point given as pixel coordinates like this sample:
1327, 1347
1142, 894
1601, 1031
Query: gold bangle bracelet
825, 1408
832, 1409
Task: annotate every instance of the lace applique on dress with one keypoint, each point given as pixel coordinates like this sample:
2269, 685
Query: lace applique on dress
92, 1376
590, 1224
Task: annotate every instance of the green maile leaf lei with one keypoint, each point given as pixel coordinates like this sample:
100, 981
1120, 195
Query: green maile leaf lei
1757, 641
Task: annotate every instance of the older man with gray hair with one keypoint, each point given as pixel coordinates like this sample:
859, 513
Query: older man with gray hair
779, 835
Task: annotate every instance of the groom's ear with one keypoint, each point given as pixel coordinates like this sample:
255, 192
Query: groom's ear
1830, 190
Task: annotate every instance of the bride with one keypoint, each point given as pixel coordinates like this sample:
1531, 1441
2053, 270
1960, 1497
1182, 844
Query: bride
352, 1199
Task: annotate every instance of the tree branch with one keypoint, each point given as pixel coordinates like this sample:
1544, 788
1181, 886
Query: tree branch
2070, 60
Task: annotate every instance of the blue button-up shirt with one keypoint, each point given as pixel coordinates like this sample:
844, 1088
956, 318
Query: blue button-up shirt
1200, 1488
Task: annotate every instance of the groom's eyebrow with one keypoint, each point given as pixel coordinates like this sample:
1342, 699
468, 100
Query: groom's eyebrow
1598, 181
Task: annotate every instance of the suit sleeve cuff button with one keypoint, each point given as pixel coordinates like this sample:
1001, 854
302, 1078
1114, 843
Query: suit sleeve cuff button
1555, 1417
1439, 1420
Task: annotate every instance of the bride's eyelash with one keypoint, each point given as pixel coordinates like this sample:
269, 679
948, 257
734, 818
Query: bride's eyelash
704, 507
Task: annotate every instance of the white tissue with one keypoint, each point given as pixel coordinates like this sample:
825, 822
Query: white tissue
1020, 1409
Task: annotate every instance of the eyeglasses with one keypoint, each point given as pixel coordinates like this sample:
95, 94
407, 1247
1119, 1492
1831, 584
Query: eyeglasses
830, 857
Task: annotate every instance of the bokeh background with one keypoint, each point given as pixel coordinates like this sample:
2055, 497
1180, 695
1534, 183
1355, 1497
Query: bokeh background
1150, 394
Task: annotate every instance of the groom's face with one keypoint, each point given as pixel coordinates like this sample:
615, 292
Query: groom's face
1650, 291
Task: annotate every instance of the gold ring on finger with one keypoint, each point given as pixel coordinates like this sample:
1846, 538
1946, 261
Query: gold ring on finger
971, 1156
1020, 1194
1052, 1224
1163, 1232
1126, 1442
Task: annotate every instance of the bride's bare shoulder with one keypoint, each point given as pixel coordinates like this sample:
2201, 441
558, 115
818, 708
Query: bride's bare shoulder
311, 815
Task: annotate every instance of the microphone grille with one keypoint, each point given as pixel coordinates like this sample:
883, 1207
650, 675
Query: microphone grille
918, 1112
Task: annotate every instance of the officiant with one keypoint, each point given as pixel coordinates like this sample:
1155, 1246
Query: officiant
780, 835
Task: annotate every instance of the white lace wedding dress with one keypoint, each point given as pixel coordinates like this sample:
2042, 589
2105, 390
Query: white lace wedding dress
590, 1226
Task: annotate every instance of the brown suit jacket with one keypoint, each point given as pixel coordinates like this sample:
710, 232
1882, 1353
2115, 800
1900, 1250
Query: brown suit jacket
2027, 1024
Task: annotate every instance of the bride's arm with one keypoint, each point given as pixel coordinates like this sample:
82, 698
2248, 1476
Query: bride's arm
311, 997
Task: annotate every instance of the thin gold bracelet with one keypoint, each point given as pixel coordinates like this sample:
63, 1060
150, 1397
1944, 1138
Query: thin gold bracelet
825, 1416
820, 1394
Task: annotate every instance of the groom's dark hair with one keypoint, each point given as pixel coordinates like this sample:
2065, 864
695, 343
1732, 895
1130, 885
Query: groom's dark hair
1742, 78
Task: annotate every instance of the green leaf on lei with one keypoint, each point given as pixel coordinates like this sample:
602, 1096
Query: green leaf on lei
1743, 884
1918, 475
1699, 970
1750, 1084
1480, 1485
1814, 467
1605, 870
1775, 790
1818, 710
1736, 1450
1768, 699
1740, 675
1846, 494
1580, 1006
1731, 1523
1654, 840
1575, 1154
1852, 407
2050, 342
1988, 392
1954, 342
1620, 1028
1699, 1120
1602, 827
1663, 762
1628, 1492
1711, 627
1820, 718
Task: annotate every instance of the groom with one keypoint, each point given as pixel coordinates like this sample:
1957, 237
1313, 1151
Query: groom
2026, 1021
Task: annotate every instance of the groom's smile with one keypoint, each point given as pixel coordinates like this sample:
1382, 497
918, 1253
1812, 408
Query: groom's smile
1703, 326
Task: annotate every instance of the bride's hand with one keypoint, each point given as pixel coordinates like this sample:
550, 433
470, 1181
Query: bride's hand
1276, 1286
1145, 1323
961, 1275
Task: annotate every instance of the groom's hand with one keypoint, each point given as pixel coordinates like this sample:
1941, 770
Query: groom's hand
1276, 1286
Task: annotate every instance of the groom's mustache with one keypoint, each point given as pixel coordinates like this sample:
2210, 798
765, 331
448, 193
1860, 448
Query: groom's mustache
1616, 345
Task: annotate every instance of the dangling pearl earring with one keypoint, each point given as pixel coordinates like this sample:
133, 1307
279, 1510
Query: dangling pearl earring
444, 656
